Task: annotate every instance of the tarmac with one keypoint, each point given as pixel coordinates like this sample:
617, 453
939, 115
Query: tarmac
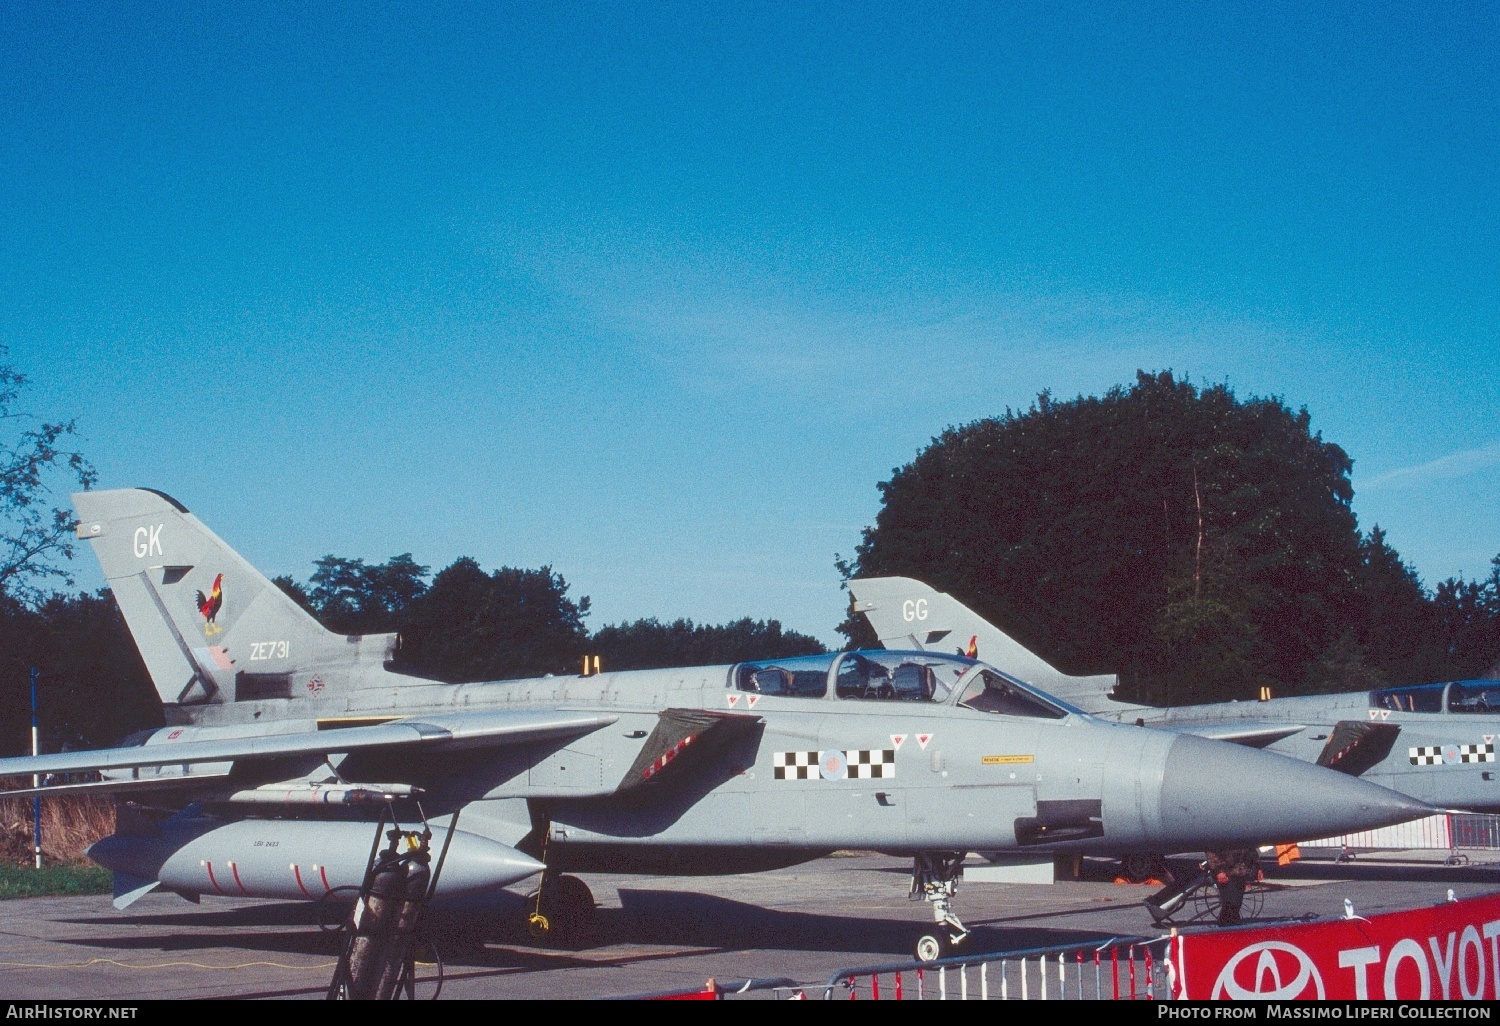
654, 933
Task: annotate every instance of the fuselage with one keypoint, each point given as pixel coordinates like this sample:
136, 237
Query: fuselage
892, 751
1443, 755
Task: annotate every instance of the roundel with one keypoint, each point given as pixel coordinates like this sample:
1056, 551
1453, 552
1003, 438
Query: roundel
1269, 971
1450, 754
831, 765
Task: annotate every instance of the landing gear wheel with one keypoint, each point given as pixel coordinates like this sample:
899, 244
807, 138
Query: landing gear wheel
565, 916
1208, 905
932, 946
1139, 868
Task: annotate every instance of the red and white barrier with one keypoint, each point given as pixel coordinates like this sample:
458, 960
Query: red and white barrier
1445, 952
1431, 834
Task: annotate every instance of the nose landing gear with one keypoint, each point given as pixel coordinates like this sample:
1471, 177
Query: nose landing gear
934, 878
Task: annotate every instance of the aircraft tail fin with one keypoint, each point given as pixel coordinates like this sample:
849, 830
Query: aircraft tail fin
905, 613
209, 626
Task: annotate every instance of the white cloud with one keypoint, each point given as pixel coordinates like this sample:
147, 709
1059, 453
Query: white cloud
1444, 468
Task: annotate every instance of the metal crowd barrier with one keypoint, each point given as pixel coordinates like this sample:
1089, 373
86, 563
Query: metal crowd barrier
1474, 830
1118, 969
1451, 831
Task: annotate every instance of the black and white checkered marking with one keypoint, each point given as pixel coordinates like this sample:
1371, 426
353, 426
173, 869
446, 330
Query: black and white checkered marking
1432, 755
863, 764
794, 765
871, 763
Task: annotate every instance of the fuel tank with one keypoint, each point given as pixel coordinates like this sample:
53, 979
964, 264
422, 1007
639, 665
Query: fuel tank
288, 858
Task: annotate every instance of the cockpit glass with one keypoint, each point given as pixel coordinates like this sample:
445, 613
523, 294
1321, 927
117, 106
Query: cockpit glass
1474, 696
989, 692
884, 676
797, 677
1422, 698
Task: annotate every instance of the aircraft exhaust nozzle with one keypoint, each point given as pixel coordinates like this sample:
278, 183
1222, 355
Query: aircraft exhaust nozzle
295, 859
1213, 792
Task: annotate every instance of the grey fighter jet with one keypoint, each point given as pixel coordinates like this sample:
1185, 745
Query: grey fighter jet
283, 741
1434, 742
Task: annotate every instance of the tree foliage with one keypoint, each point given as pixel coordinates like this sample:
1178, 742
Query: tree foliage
472, 625
475, 626
92, 685
34, 456
353, 598
1198, 544
92, 688
651, 644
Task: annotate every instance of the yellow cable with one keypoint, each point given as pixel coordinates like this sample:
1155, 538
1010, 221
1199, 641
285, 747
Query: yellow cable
161, 965
171, 965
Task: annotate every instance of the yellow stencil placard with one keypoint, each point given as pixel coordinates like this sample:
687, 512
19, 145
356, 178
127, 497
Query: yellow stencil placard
1006, 760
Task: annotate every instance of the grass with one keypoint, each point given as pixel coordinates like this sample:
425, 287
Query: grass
70, 823
52, 881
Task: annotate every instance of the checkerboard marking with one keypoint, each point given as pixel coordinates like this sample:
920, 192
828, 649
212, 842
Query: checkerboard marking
1432, 755
871, 763
863, 763
794, 765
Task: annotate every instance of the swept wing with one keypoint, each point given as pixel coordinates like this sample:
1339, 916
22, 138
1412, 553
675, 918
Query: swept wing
425, 733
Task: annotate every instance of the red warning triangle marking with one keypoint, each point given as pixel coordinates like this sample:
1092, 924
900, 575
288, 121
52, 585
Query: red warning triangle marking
734, 700
1374, 713
1488, 738
752, 700
922, 740
898, 740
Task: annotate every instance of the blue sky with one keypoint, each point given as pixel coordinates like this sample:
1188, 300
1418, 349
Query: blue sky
657, 294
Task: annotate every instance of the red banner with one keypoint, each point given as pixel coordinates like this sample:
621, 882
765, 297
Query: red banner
1449, 952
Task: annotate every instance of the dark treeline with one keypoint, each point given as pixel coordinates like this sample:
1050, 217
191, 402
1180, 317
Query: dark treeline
92, 685
1199, 545
468, 625
465, 625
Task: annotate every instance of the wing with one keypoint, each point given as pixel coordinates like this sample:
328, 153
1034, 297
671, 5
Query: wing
1240, 732
426, 734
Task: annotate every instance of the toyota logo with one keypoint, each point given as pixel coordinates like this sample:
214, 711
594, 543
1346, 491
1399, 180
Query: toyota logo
1279, 971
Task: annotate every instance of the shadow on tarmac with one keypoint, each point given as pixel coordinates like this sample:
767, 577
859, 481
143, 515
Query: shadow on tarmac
491, 932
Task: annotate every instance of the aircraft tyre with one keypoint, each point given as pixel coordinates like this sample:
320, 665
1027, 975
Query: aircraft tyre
1139, 868
566, 917
932, 945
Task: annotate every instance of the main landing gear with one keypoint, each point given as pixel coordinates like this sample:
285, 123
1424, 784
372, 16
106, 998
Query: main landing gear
562, 912
934, 877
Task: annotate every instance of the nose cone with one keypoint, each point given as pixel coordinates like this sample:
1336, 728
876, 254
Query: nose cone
1215, 793
475, 863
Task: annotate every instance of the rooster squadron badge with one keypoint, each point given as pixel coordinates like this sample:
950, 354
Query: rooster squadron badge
209, 606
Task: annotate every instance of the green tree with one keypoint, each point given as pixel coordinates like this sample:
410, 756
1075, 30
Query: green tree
1468, 625
651, 644
350, 597
34, 458
1198, 544
93, 686
472, 626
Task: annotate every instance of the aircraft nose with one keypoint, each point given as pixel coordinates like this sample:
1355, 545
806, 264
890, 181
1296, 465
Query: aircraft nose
1242, 796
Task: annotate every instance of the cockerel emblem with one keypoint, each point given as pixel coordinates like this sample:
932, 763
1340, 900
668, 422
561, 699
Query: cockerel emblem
209, 606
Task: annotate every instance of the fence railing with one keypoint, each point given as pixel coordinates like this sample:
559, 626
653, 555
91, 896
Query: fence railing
1444, 830
1120, 969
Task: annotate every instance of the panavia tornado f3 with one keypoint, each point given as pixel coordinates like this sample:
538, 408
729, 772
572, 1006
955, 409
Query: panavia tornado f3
286, 743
